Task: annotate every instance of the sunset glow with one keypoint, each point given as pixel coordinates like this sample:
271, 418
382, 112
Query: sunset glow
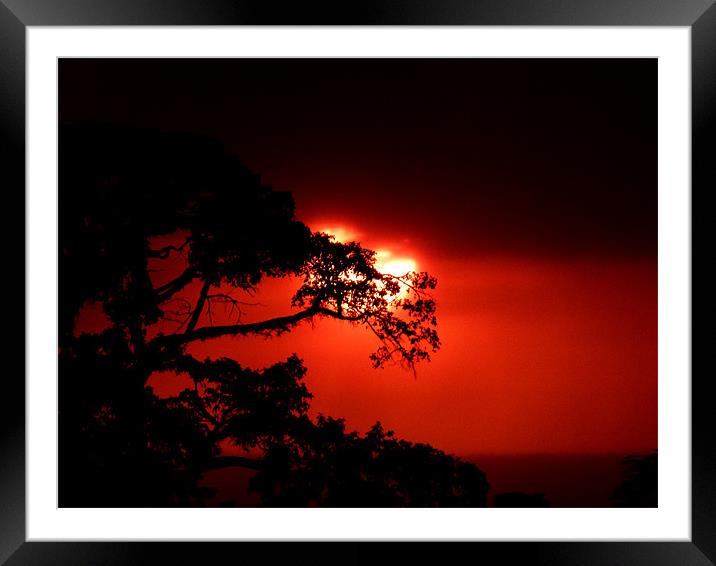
396, 266
512, 204
385, 260
340, 233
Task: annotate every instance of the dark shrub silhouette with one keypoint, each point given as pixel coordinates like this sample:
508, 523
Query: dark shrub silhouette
329, 467
120, 444
519, 499
640, 485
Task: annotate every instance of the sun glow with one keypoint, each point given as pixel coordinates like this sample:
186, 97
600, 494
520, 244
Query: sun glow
340, 233
385, 260
398, 267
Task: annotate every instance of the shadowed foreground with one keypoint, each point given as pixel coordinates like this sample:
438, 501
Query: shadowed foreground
122, 192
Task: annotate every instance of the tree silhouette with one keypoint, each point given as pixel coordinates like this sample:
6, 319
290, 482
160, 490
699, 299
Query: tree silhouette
521, 500
122, 445
639, 487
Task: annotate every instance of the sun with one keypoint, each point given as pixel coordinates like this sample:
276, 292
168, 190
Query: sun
341, 233
395, 266
385, 260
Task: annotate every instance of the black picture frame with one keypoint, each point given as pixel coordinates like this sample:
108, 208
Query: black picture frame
699, 15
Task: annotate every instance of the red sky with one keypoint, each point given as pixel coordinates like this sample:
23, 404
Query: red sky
528, 188
538, 356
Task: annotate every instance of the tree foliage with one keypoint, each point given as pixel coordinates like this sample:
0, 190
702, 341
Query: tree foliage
120, 444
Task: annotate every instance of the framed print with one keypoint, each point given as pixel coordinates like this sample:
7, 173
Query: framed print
343, 283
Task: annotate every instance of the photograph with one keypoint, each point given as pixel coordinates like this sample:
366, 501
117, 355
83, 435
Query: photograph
357, 282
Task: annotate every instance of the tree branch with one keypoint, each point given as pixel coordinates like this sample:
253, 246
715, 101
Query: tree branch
164, 252
273, 324
278, 323
165, 292
200, 302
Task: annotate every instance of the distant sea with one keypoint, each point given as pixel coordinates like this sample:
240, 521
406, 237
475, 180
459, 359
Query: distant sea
566, 480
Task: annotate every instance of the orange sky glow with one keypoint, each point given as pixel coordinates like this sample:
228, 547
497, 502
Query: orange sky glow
528, 188
540, 356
